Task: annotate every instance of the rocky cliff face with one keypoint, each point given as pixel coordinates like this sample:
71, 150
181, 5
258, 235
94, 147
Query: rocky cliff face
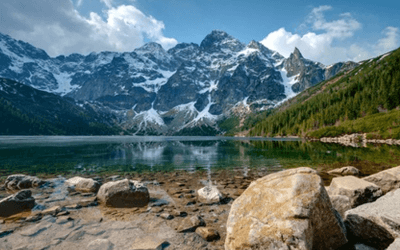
163, 92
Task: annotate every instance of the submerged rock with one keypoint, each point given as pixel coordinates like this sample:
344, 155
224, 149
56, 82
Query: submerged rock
123, 193
387, 180
84, 185
16, 203
357, 190
209, 194
376, 224
21, 181
349, 170
285, 210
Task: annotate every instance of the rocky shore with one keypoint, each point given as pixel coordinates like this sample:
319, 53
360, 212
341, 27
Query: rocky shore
357, 140
254, 209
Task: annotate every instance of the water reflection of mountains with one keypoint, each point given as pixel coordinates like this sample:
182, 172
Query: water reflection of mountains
186, 154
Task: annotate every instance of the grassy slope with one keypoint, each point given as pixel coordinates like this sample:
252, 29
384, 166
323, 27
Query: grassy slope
347, 103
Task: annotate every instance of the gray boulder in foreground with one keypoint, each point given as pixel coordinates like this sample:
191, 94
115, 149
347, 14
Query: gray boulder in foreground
21, 181
123, 193
285, 210
357, 190
376, 224
16, 203
387, 180
84, 185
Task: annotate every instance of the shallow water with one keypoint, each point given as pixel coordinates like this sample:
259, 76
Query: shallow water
74, 154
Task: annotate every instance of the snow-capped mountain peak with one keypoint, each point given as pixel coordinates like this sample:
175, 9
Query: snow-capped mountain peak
151, 89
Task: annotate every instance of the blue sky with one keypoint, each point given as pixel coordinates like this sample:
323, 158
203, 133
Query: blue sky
326, 32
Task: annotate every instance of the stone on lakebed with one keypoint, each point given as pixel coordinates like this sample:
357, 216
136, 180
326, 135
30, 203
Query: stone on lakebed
84, 185
16, 203
209, 194
123, 193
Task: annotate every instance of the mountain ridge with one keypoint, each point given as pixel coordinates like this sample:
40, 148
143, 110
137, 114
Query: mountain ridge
154, 89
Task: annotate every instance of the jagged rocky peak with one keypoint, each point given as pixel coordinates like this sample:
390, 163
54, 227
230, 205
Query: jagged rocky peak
296, 63
296, 54
20, 49
151, 47
156, 53
254, 45
219, 40
185, 51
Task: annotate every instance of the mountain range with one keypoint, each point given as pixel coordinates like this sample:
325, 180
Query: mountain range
188, 89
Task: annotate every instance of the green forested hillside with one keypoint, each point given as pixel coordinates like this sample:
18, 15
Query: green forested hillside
28, 111
332, 107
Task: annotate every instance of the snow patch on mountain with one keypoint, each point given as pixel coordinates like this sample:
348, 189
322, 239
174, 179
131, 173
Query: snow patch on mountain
64, 83
213, 86
288, 82
152, 116
247, 51
154, 85
204, 114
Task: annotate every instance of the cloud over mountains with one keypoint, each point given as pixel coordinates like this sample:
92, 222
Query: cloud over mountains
319, 43
57, 27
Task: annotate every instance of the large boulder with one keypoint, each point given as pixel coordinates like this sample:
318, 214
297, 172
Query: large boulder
285, 210
376, 224
387, 180
357, 190
84, 185
123, 193
349, 170
21, 181
209, 194
16, 203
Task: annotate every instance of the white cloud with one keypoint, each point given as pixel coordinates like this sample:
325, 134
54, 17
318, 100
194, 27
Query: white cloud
126, 22
320, 46
389, 42
57, 27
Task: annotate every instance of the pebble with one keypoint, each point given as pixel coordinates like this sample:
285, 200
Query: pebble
166, 216
208, 234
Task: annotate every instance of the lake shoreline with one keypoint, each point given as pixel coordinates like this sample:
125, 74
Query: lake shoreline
173, 199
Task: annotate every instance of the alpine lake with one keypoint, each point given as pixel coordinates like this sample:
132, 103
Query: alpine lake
47, 156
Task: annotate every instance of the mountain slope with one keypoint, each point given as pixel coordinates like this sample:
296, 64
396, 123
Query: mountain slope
155, 91
347, 103
27, 111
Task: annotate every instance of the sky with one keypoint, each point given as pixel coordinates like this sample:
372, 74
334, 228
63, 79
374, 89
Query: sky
325, 32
